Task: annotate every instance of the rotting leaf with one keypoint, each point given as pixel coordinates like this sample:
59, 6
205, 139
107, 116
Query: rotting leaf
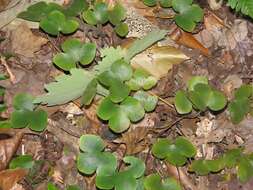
8, 146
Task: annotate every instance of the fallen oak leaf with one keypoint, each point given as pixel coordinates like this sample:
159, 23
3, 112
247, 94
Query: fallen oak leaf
8, 146
9, 178
24, 42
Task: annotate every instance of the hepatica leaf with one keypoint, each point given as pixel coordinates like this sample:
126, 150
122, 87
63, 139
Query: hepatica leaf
154, 182
39, 11
188, 14
75, 52
196, 80
119, 116
123, 180
183, 105
93, 158
141, 80
56, 22
24, 114
176, 153
148, 102
22, 161
117, 14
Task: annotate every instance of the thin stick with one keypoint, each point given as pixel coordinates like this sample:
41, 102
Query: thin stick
161, 99
11, 75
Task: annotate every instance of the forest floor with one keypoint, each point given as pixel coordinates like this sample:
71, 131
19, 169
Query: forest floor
221, 48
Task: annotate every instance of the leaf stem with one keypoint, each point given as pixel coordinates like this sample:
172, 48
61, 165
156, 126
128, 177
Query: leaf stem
161, 99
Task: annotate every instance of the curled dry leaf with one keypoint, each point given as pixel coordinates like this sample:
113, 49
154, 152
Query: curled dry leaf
187, 39
157, 61
9, 178
8, 146
24, 42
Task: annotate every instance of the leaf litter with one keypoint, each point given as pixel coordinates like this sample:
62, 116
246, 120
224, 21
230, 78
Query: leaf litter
221, 51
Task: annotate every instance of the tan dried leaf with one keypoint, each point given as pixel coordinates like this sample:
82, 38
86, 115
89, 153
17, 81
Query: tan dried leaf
135, 140
8, 146
24, 42
157, 61
9, 178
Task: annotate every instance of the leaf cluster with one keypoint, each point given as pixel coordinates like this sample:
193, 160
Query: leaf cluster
25, 114
188, 14
176, 152
241, 105
100, 14
232, 159
93, 159
200, 96
51, 186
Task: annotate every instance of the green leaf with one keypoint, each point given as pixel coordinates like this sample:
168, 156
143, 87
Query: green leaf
121, 29
196, 80
93, 158
133, 108
22, 161
231, 157
23, 101
238, 109
148, 102
142, 44
90, 17
39, 11
150, 3
38, 120
200, 167
245, 91
141, 80
217, 101
75, 8
56, 22
75, 52
66, 88
166, 3
123, 180
186, 148
117, 14
73, 187
89, 92
122, 70
20, 118
154, 182
188, 15
176, 153
245, 169
106, 109
91, 143
118, 91
51, 186
183, 105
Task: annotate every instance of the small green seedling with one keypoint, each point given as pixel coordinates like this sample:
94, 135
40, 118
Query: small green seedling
176, 152
154, 182
123, 180
188, 14
22, 161
75, 52
25, 114
51, 186
93, 158
100, 14
199, 96
241, 105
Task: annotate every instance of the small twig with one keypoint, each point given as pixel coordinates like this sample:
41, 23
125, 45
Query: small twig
11, 75
161, 99
54, 45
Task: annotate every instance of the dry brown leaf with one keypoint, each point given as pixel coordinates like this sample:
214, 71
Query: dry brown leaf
8, 146
187, 39
4, 4
157, 61
135, 140
9, 178
24, 42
